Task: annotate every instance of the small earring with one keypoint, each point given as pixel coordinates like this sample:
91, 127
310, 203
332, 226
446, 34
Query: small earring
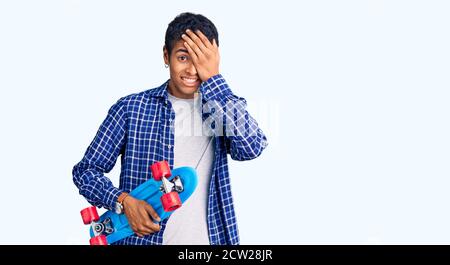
166, 65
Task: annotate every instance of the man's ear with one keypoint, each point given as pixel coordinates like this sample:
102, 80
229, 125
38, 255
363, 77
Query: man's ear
165, 55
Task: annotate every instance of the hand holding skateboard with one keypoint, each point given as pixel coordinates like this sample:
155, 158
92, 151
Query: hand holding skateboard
141, 216
156, 197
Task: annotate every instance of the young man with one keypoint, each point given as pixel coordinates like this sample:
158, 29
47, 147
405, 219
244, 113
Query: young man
164, 124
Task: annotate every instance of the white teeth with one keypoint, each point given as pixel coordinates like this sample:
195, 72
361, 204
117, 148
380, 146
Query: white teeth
189, 79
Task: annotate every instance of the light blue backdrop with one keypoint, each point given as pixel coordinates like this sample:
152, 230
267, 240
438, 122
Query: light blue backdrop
353, 96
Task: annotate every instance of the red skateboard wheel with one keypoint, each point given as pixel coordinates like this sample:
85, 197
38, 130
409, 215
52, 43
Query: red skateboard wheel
98, 241
89, 215
160, 169
171, 201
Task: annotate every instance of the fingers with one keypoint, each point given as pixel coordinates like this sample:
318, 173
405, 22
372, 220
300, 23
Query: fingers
204, 39
147, 226
191, 52
197, 40
152, 213
141, 219
193, 45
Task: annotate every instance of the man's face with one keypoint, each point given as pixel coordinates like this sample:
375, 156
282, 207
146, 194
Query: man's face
184, 80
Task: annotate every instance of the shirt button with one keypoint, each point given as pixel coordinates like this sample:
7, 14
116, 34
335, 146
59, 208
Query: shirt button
169, 146
170, 120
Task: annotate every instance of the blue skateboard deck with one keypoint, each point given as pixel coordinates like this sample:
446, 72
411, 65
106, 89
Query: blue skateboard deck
149, 191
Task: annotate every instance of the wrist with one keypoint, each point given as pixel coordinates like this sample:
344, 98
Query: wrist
125, 200
122, 197
212, 75
119, 208
206, 76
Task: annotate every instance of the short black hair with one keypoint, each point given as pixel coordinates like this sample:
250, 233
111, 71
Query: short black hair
191, 21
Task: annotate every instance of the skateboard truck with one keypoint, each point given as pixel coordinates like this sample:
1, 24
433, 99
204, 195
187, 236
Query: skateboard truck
90, 216
104, 227
169, 186
170, 189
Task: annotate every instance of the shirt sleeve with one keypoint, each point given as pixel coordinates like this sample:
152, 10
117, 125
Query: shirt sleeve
100, 157
228, 117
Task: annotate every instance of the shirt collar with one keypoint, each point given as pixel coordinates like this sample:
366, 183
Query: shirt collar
160, 92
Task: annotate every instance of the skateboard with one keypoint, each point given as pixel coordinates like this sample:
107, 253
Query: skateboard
166, 191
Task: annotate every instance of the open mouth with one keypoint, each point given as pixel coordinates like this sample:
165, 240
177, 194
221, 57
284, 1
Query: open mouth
188, 81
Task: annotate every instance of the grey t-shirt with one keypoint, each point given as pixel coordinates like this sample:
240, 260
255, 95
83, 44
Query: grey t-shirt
188, 224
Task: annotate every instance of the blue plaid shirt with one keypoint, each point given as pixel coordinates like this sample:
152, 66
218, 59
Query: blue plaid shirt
139, 128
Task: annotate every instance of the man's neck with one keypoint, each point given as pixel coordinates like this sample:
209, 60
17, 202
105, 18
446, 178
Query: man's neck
176, 93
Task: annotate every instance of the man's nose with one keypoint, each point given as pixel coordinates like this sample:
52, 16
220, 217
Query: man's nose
191, 69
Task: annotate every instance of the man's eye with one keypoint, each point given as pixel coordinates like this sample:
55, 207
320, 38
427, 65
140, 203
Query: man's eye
182, 58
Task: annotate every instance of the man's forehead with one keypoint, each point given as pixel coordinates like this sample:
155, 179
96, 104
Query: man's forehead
179, 44
179, 47
181, 51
